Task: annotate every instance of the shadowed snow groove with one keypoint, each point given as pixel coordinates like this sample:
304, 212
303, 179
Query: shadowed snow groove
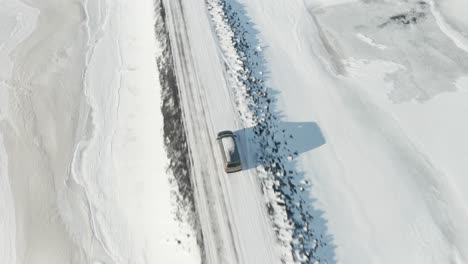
174, 131
299, 226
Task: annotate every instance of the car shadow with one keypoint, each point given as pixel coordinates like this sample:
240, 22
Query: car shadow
295, 137
275, 150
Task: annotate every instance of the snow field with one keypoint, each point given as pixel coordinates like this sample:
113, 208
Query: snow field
389, 177
82, 162
17, 22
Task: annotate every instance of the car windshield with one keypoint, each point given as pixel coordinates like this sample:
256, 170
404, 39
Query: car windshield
233, 164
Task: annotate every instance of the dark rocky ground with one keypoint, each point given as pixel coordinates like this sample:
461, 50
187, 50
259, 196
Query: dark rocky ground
174, 130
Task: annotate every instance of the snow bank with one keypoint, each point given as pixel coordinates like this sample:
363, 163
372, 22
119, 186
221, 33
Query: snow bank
82, 163
124, 164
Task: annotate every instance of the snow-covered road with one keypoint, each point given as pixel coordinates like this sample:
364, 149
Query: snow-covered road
234, 219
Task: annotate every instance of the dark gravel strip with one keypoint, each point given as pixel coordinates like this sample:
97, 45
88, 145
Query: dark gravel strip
175, 139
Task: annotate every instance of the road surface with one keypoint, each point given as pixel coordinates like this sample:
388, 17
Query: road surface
235, 224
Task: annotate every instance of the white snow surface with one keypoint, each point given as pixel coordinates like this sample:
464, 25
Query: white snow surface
82, 165
82, 162
391, 177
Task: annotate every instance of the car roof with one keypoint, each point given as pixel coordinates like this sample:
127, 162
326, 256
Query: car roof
230, 149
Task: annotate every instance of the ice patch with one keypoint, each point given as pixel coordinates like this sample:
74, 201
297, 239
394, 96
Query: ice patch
413, 38
370, 41
373, 72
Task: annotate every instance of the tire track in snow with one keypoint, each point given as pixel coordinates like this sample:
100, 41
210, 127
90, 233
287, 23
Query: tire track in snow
175, 139
210, 203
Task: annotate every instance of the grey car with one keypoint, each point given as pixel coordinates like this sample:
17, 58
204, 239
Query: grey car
229, 151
